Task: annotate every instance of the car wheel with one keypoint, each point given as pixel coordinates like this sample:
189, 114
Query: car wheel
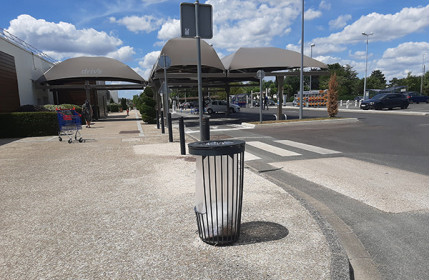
210, 111
231, 110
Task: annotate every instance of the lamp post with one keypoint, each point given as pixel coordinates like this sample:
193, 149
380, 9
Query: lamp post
301, 63
365, 76
310, 77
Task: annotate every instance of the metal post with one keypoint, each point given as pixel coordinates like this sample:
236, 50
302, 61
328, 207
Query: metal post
261, 99
199, 71
365, 75
157, 116
310, 76
169, 121
162, 125
182, 135
166, 93
205, 135
301, 64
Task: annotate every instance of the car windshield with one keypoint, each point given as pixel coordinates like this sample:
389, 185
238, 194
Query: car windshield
378, 96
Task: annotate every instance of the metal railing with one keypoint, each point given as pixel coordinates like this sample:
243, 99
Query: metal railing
26, 46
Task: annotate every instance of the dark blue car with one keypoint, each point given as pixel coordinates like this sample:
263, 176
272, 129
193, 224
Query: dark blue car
385, 100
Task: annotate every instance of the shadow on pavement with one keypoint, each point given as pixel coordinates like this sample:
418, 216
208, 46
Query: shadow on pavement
260, 231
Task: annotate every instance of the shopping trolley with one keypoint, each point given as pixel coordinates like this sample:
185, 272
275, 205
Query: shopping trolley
69, 124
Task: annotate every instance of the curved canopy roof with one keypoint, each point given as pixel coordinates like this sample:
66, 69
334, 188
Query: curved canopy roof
90, 68
183, 56
268, 59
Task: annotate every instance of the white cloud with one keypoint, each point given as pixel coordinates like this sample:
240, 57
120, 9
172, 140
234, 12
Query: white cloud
406, 57
170, 29
324, 5
145, 65
136, 24
311, 14
122, 54
340, 22
256, 23
385, 27
62, 40
359, 55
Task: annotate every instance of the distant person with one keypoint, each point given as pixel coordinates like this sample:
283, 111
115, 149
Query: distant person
87, 112
266, 106
128, 111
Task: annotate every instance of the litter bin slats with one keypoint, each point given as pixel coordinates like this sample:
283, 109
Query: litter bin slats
219, 189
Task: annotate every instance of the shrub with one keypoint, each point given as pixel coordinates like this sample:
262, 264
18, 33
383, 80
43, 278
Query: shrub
27, 124
114, 107
31, 108
147, 106
332, 106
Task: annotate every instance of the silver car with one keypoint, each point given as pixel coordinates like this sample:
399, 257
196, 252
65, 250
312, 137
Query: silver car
218, 106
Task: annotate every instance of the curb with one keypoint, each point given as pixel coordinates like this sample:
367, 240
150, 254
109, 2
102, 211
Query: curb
391, 112
340, 267
302, 122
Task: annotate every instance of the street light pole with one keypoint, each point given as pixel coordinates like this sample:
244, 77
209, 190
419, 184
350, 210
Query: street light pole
310, 77
301, 64
365, 76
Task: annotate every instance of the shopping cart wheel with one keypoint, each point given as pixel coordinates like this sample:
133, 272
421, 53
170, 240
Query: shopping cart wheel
70, 141
60, 139
81, 140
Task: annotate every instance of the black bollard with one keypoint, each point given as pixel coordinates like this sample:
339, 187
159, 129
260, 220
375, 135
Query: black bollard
169, 122
182, 135
162, 124
157, 116
206, 132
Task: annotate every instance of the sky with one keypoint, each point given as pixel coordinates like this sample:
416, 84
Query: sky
134, 31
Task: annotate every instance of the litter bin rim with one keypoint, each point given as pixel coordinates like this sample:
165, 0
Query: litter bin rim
216, 147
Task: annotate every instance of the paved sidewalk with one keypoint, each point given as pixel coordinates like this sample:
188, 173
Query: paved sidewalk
120, 206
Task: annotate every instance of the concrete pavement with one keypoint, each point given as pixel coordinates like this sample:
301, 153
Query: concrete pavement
120, 206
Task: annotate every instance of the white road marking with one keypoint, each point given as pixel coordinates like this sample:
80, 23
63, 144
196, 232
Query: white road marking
307, 147
249, 156
385, 188
272, 149
139, 125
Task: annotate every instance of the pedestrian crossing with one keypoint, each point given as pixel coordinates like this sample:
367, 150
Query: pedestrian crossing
282, 149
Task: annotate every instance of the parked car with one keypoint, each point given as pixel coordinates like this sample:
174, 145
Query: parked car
415, 97
384, 100
215, 106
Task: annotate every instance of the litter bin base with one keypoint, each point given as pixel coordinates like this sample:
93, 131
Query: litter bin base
219, 232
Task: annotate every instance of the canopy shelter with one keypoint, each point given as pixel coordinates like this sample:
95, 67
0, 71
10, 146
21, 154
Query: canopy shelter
239, 66
183, 68
80, 78
273, 61
269, 59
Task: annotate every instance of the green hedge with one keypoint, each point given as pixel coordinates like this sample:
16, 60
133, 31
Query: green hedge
28, 124
113, 107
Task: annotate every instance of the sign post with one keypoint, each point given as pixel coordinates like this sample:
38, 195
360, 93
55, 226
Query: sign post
196, 22
165, 62
260, 76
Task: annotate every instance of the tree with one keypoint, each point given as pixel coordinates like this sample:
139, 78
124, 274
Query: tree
332, 107
348, 82
376, 80
124, 103
146, 105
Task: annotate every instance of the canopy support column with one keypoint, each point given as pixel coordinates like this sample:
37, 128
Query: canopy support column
280, 82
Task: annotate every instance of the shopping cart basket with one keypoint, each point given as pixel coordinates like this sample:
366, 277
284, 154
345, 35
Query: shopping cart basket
69, 124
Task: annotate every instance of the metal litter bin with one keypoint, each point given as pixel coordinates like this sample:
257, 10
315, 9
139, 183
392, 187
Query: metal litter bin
219, 189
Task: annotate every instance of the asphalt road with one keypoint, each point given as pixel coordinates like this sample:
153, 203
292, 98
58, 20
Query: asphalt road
388, 238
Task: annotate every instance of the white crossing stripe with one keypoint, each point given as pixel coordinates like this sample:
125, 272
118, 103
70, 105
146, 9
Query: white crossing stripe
272, 149
249, 156
307, 147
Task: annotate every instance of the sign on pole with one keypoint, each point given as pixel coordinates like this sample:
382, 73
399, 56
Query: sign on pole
196, 22
188, 21
164, 61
